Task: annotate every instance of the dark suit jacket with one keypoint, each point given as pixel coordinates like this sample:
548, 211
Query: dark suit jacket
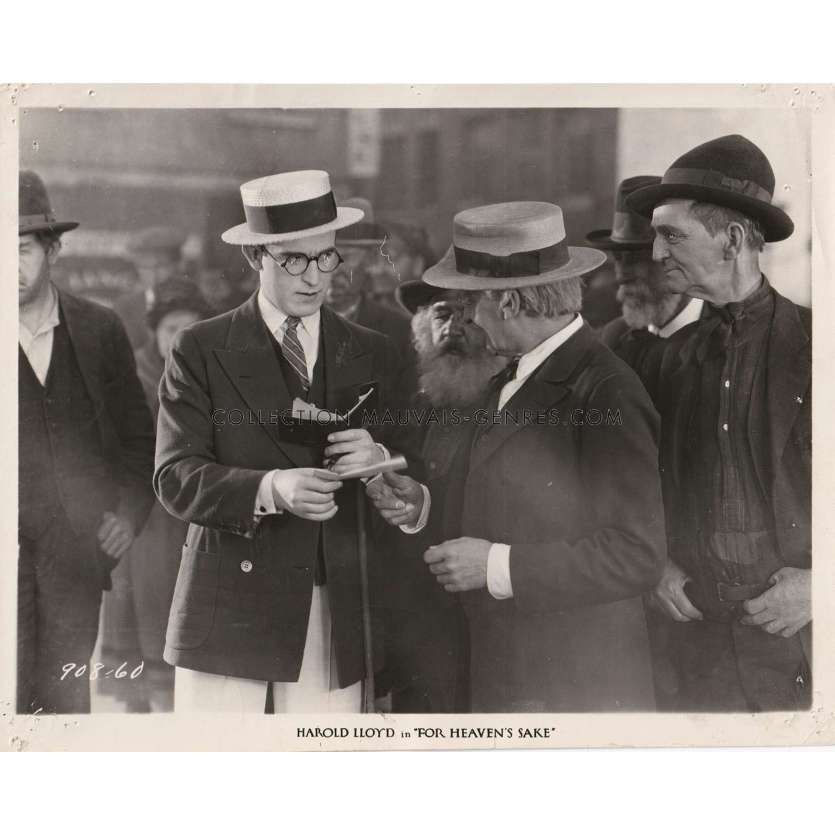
581, 508
243, 594
124, 421
397, 327
784, 465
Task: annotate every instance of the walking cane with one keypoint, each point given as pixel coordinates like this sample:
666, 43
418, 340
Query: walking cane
397, 462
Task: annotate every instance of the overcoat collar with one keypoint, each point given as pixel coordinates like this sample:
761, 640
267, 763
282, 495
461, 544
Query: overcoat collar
548, 384
85, 341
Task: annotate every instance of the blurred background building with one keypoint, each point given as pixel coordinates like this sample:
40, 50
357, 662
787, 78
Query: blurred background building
119, 171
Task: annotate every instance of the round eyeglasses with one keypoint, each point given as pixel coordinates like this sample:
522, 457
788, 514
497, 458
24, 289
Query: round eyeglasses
296, 263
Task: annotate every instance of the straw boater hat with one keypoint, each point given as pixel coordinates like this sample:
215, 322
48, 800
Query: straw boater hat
284, 207
630, 231
729, 171
508, 245
366, 233
34, 210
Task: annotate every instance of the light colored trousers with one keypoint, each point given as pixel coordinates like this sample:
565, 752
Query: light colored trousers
316, 691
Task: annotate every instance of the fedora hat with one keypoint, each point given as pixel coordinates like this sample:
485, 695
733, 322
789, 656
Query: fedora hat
34, 210
288, 206
413, 295
730, 171
630, 231
366, 233
508, 245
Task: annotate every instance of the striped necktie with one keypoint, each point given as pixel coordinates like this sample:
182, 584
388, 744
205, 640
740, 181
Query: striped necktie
293, 351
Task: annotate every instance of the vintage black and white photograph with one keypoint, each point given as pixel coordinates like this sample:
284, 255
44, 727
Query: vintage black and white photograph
413, 416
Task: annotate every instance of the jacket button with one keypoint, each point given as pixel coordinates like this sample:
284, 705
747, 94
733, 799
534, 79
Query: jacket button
246, 566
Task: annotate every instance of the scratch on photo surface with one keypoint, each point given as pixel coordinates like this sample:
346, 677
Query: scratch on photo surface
388, 258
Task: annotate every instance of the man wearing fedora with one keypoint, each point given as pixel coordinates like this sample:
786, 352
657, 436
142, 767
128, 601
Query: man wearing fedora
557, 488
85, 462
650, 310
735, 398
267, 612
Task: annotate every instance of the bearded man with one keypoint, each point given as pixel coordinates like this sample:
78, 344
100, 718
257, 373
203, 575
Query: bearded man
650, 311
428, 651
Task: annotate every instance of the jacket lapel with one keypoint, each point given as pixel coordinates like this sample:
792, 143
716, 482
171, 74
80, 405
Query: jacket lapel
789, 376
250, 362
541, 391
84, 337
347, 364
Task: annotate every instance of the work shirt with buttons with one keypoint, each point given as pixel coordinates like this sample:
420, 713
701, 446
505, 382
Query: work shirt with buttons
728, 430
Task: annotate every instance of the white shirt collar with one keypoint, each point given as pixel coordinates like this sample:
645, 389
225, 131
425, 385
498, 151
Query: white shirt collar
275, 318
690, 313
50, 320
528, 363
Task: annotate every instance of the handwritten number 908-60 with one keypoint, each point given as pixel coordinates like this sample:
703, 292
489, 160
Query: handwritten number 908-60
96, 670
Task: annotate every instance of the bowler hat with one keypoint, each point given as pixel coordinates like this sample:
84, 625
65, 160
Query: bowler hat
34, 210
730, 171
506, 245
288, 206
413, 295
630, 231
366, 233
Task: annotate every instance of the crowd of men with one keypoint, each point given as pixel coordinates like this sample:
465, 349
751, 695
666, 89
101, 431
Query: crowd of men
503, 509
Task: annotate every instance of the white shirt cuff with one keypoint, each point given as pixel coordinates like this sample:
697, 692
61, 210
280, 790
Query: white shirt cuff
264, 500
498, 571
424, 514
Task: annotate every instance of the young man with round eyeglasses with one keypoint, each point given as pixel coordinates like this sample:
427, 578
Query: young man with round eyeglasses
267, 612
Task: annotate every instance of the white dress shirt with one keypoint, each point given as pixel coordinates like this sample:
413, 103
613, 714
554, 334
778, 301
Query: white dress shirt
498, 557
38, 345
691, 313
308, 334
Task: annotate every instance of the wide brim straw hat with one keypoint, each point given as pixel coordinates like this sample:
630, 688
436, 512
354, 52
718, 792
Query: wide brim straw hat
508, 245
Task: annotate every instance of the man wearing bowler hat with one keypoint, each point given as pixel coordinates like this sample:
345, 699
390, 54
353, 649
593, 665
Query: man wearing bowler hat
650, 310
558, 489
86, 449
267, 612
735, 398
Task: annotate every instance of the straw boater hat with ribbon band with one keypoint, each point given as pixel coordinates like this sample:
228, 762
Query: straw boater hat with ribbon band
730, 171
284, 207
34, 210
366, 233
630, 231
507, 245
